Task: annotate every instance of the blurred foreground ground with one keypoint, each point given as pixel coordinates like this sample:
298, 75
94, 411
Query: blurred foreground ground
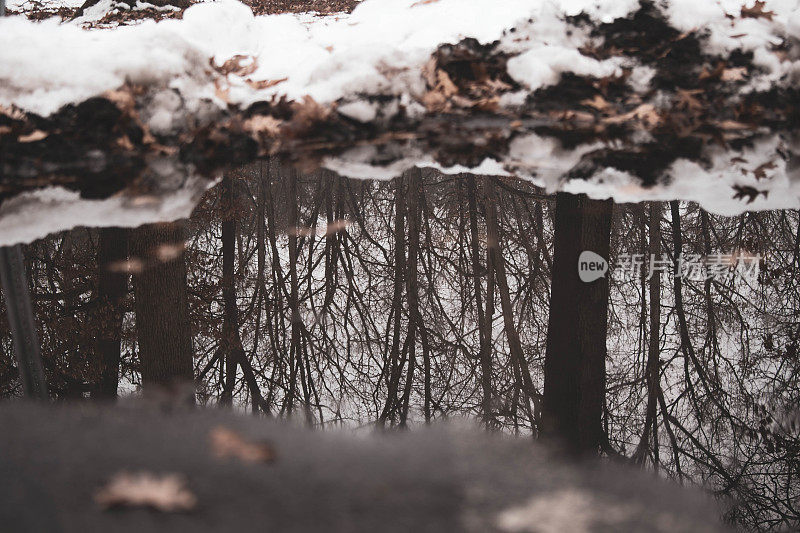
55, 461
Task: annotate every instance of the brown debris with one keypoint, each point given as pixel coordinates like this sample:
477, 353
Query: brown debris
227, 443
757, 11
747, 192
166, 493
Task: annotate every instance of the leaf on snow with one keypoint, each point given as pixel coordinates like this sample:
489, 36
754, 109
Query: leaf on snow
239, 65
757, 11
761, 171
264, 84
228, 443
166, 493
747, 192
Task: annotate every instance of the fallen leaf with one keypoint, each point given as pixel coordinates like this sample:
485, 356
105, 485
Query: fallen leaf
423, 2
757, 11
645, 113
122, 98
228, 443
733, 74
12, 112
444, 84
761, 171
713, 74
598, 102
264, 84
733, 125
748, 192
308, 113
36, 135
263, 124
240, 65
124, 142
686, 99
222, 92
166, 492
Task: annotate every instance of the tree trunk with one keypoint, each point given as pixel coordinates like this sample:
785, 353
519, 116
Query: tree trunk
112, 281
653, 369
574, 382
494, 246
161, 305
484, 334
393, 362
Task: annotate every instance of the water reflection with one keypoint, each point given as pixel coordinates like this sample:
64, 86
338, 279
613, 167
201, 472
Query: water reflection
351, 302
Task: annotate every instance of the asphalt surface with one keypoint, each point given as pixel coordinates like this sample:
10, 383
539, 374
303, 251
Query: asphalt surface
55, 459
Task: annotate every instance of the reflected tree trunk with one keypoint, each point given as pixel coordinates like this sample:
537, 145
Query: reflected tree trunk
574, 381
161, 305
394, 363
653, 368
484, 333
112, 286
521, 371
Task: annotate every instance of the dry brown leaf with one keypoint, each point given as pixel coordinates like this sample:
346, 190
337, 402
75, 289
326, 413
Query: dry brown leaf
36, 135
263, 124
222, 92
645, 113
264, 84
598, 102
228, 443
440, 89
12, 112
434, 101
491, 104
429, 72
160, 148
308, 112
122, 98
734, 74
715, 73
444, 84
125, 143
730, 125
686, 99
748, 192
757, 11
166, 492
240, 65
423, 2
761, 171
496, 86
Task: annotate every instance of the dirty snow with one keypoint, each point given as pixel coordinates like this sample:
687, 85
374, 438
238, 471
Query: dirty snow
380, 48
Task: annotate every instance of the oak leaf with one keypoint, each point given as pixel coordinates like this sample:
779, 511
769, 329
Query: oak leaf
166, 493
757, 11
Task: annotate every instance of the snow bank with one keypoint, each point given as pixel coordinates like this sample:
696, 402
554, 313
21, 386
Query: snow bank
221, 53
